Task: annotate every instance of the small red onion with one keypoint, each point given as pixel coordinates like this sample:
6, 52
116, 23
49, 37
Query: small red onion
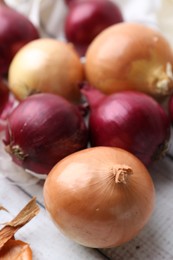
15, 31
87, 18
43, 129
129, 120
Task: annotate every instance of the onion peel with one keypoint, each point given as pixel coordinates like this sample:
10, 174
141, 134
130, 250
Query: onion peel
22, 218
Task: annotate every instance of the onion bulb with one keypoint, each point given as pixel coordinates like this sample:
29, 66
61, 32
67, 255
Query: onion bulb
85, 19
129, 56
46, 65
100, 197
130, 120
43, 129
16, 30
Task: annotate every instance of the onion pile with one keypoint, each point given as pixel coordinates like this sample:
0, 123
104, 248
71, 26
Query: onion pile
85, 19
100, 197
43, 129
46, 65
130, 120
129, 56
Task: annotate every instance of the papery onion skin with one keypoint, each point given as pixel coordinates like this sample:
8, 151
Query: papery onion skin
43, 129
88, 205
46, 65
85, 19
130, 120
129, 56
16, 30
16, 249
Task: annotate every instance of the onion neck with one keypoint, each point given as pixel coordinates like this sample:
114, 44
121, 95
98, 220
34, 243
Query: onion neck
93, 95
121, 173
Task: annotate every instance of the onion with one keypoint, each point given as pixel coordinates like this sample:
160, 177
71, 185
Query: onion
99, 197
46, 65
130, 120
43, 129
15, 31
87, 18
129, 56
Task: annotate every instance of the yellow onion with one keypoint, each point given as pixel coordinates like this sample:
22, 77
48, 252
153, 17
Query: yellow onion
46, 65
99, 197
129, 56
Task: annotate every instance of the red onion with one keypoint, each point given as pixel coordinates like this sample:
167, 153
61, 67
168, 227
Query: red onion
130, 120
15, 31
87, 18
43, 129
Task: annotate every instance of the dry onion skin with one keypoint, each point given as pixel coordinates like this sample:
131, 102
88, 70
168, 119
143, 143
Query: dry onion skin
16, 250
46, 65
129, 56
100, 197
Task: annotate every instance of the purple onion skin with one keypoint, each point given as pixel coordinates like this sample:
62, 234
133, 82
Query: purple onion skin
87, 18
170, 109
42, 130
129, 120
15, 31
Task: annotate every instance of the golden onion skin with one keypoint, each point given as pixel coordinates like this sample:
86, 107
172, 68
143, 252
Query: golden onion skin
46, 65
93, 205
129, 56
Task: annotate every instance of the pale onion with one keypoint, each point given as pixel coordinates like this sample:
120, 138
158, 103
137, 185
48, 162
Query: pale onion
100, 197
46, 65
129, 56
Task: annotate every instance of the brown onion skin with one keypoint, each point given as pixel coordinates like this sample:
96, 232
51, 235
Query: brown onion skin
51, 66
130, 120
129, 56
87, 205
43, 129
16, 30
16, 249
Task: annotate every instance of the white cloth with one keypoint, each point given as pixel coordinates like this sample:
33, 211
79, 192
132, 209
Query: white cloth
48, 15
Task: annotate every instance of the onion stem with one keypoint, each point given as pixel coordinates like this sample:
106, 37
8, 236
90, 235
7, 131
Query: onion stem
121, 173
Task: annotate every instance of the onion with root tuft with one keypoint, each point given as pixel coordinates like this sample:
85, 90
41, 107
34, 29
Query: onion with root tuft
129, 56
43, 129
100, 197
